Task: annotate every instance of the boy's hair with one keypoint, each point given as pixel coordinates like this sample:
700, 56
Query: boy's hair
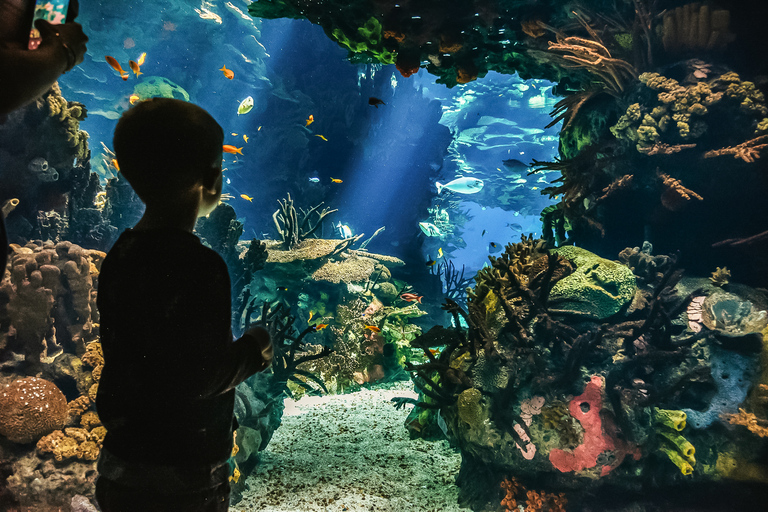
162, 146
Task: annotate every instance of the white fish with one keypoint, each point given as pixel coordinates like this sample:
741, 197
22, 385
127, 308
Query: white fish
245, 106
344, 230
314, 180
429, 229
461, 185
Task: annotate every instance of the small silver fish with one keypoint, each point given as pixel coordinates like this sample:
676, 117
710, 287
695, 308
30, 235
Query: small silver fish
314, 180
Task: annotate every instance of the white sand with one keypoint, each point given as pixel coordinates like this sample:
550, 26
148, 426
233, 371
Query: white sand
352, 453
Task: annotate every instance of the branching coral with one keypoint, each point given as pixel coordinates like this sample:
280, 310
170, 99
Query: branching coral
293, 230
747, 419
614, 74
675, 195
748, 151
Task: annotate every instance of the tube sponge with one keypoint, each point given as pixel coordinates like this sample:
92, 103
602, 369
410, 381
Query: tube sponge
684, 447
672, 419
676, 458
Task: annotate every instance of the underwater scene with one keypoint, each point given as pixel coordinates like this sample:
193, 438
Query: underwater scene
512, 254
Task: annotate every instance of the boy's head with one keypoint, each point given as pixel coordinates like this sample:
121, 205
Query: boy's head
165, 147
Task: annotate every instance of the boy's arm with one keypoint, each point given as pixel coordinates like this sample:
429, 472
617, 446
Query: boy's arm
211, 362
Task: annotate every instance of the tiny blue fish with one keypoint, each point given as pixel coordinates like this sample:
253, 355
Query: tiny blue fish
314, 180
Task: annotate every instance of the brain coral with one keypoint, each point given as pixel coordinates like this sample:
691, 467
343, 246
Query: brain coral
31, 408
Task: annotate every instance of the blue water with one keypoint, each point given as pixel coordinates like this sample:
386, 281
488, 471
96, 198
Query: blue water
388, 158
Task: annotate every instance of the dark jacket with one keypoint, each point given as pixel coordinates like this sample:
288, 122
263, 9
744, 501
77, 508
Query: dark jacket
166, 393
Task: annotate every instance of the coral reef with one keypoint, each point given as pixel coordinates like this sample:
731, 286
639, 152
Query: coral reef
31, 408
528, 389
50, 283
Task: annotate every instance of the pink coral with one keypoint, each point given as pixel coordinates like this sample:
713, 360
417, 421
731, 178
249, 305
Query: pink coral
598, 437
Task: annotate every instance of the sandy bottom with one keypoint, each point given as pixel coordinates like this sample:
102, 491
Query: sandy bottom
352, 453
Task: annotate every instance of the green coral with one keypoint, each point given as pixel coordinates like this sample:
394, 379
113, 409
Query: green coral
367, 40
597, 289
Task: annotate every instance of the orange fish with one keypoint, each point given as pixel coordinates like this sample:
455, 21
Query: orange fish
310, 120
114, 162
320, 327
133, 98
232, 149
247, 198
117, 67
142, 57
336, 180
135, 68
227, 72
410, 297
434, 352
373, 328
326, 140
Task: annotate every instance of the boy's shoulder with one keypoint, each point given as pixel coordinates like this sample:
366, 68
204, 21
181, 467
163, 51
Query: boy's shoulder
166, 247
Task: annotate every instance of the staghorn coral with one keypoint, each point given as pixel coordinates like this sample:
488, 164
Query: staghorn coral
293, 230
748, 151
30, 408
675, 195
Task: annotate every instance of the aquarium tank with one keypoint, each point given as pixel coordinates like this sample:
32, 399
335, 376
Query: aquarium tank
512, 254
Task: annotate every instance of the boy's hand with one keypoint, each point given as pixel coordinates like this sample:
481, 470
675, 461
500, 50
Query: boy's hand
263, 341
70, 35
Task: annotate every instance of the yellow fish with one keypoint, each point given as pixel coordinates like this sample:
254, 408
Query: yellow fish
245, 137
247, 198
326, 140
534, 188
235, 476
135, 68
228, 148
258, 129
133, 98
142, 57
310, 316
310, 120
114, 162
234, 134
440, 252
336, 180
